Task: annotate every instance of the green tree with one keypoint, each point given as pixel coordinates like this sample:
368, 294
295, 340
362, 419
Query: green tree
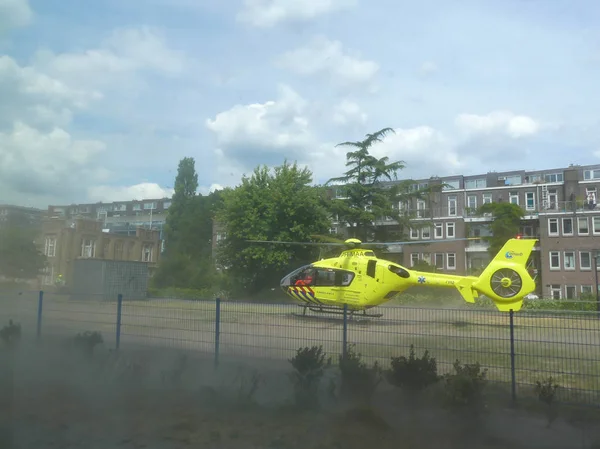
20, 258
187, 262
365, 197
507, 219
179, 216
281, 205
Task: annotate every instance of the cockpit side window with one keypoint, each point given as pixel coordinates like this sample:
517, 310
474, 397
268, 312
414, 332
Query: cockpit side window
327, 277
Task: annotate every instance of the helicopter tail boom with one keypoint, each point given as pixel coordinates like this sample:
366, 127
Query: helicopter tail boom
505, 280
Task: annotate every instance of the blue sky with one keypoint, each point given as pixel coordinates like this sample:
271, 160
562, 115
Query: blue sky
102, 99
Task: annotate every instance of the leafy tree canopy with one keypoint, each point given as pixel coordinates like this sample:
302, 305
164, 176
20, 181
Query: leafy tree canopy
19, 256
279, 205
364, 196
506, 223
187, 261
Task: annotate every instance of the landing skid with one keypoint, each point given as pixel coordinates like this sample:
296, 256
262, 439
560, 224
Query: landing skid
336, 311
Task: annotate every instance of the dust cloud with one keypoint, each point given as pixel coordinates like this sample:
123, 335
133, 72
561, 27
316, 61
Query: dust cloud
57, 394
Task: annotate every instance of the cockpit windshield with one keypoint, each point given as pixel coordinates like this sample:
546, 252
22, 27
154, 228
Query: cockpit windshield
313, 276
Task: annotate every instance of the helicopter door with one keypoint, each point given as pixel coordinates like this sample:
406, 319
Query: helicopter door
371, 268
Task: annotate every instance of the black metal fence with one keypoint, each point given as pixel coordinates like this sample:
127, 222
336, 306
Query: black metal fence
518, 349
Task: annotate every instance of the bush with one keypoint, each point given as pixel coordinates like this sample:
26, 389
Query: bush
359, 381
546, 392
413, 374
11, 334
464, 388
87, 341
309, 365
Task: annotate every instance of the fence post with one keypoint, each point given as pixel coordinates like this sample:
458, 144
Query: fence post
217, 330
39, 314
513, 377
119, 315
345, 332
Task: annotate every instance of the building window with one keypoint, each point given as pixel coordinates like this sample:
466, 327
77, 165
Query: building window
414, 259
554, 260
552, 226
50, 247
166, 204
426, 257
450, 230
487, 198
439, 230
451, 261
586, 289
513, 197
554, 177
414, 233
567, 224
439, 261
421, 209
472, 202
452, 205
137, 206
588, 175
596, 225
530, 201
426, 233
583, 226
569, 260
585, 260
570, 291
147, 253
451, 185
555, 292
480, 183
119, 250
88, 248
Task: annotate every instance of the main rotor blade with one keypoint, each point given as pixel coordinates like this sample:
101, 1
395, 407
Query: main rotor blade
297, 243
420, 242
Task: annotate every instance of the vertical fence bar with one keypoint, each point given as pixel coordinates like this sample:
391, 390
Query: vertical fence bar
119, 315
217, 330
39, 315
513, 376
345, 332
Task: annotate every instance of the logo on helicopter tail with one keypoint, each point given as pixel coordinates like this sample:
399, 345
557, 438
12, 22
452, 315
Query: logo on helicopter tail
511, 254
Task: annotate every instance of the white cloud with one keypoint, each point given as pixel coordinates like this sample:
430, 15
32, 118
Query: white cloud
348, 113
39, 156
428, 67
34, 163
116, 61
276, 127
14, 14
505, 122
328, 59
145, 190
268, 13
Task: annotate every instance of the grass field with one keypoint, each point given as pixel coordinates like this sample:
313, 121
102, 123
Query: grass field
564, 347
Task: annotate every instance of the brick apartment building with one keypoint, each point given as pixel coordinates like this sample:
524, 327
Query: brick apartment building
560, 210
64, 240
120, 217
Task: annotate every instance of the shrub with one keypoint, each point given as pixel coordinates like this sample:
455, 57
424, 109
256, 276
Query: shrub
413, 374
546, 392
11, 334
87, 341
309, 367
464, 387
358, 379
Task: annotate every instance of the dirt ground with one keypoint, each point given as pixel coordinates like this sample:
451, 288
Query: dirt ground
58, 398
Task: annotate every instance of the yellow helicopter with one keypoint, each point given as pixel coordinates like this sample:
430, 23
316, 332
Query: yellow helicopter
360, 280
